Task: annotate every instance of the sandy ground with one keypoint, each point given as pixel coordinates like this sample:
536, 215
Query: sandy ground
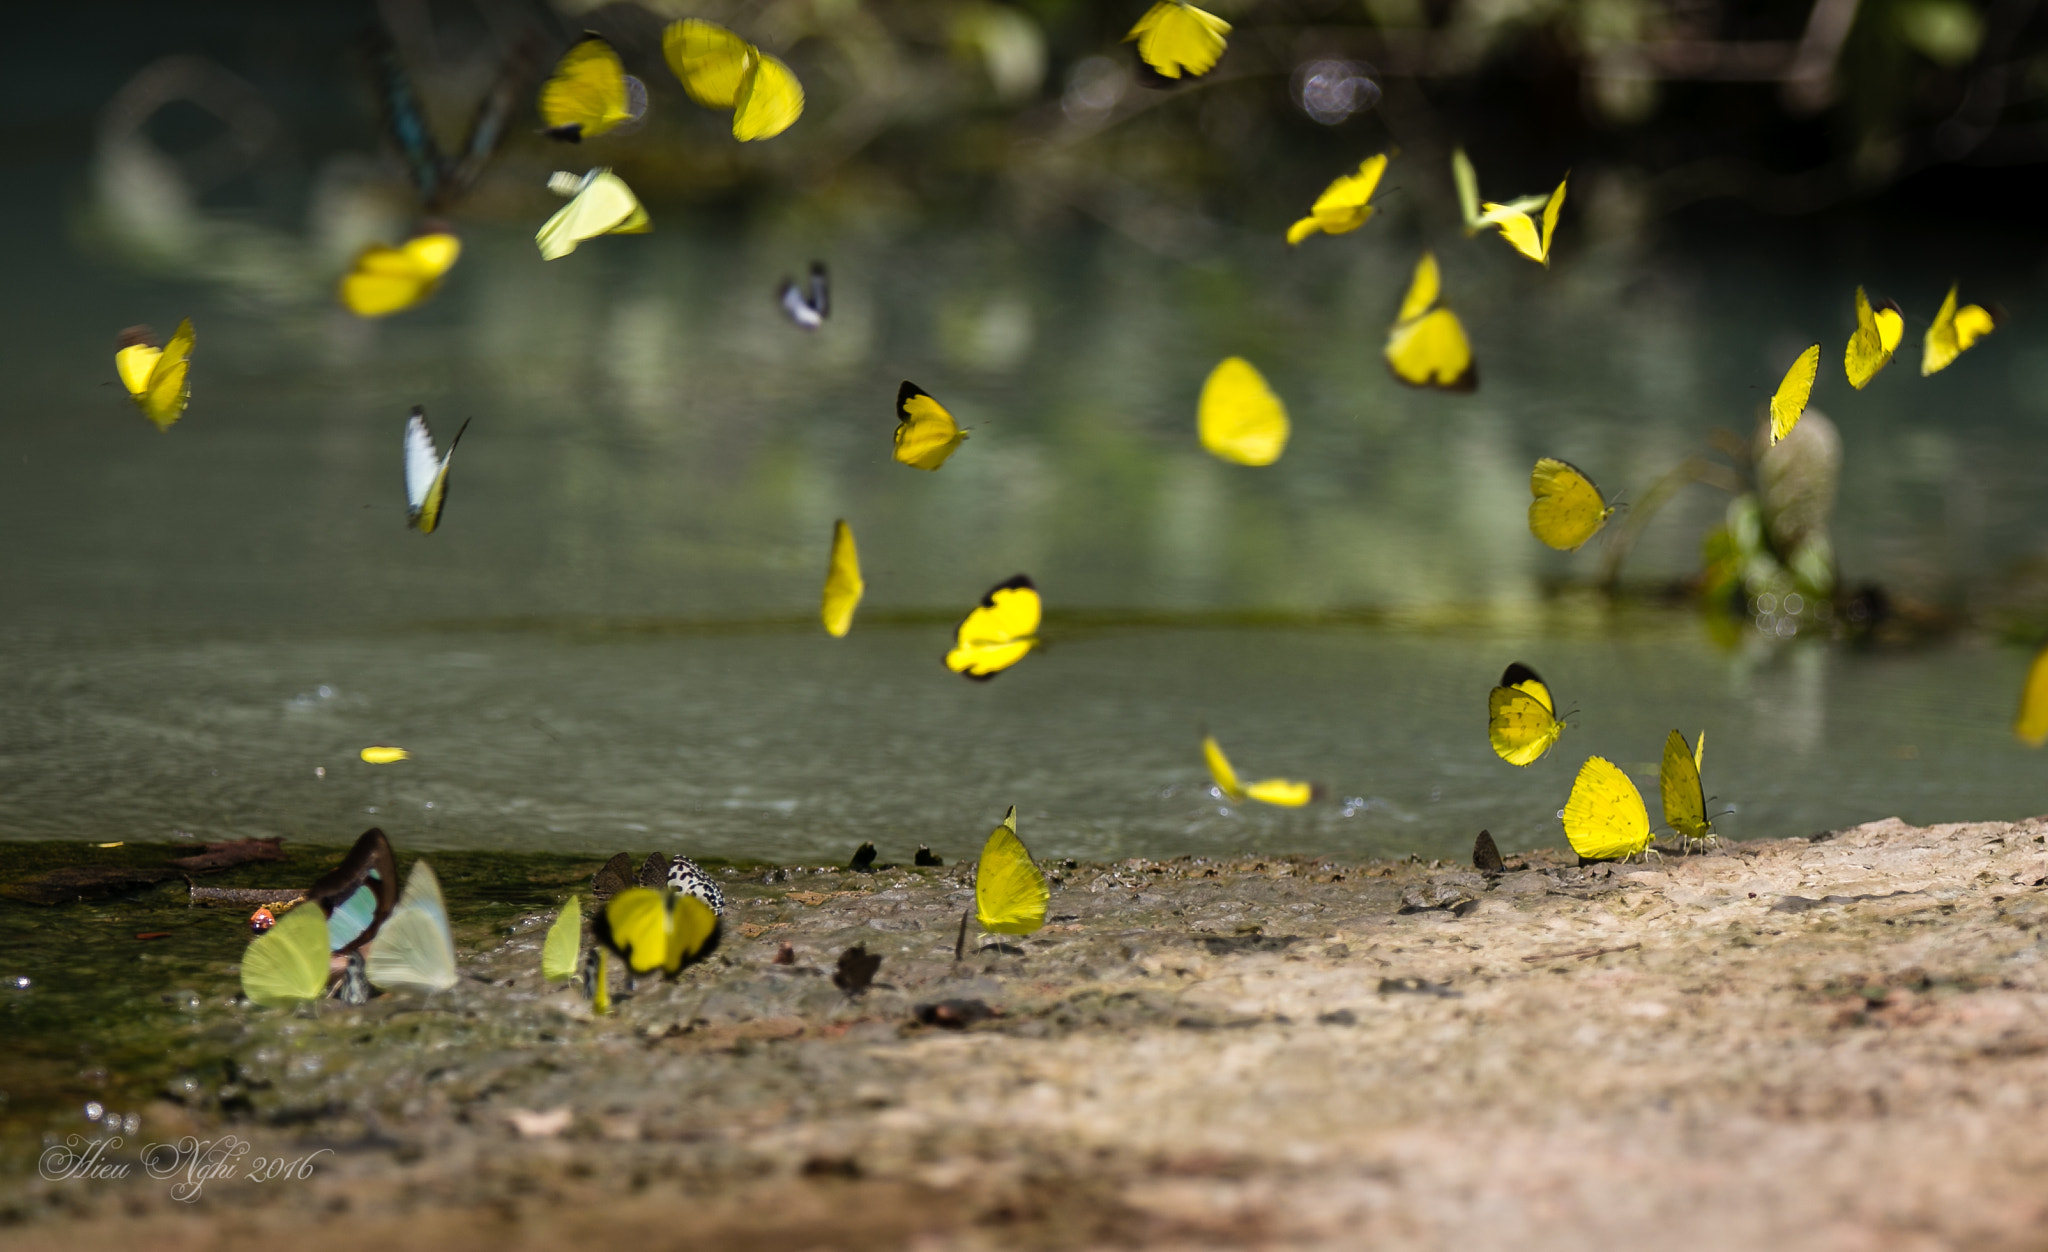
1830, 1044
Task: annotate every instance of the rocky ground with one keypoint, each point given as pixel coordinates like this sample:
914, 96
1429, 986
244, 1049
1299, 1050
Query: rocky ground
1839, 1043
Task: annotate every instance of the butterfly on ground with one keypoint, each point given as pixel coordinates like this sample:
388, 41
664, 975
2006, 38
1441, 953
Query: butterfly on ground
1878, 331
611, 878
843, 585
999, 632
2031, 725
590, 92
415, 949
426, 474
1427, 346
1345, 204
1284, 792
1486, 856
562, 954
1685, 799
1605, 818
650, 929
1521, 716
720, 70
1567, 509
157, 379
385, 280
1952, 332
1010, 891
357, 896
687, 877
438, 180
600, 203
287, 964
1177, 41
1515, 224
1239, 418
926, 433
1793, 393
807, 306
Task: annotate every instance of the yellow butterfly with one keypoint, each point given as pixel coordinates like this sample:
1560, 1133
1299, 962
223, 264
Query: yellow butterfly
1793, 393
1685, 800
288, 963
1952, 333
926, 433
1521, 716
843, 586
722, 71
385, 280
1467, 180
600, 204
2032, 723
651, 928
1010, 892
999, 632
1239, 418
1878, 332
1281, 791
1520, 230
562, 955
378, 754
1345, 204
1568, 509
157, 379
1176, 38
589, 92
1427, 346
1605, 817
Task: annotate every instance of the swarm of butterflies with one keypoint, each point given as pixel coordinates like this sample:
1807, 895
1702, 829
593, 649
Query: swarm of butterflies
376, 937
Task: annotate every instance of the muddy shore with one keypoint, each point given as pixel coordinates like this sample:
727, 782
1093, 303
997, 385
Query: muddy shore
1831, 1043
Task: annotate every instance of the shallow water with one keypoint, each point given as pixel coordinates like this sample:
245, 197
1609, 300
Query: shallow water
609, 643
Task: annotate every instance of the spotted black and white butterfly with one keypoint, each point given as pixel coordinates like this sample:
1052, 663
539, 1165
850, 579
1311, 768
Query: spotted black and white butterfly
807, 309
426, 473
687, 877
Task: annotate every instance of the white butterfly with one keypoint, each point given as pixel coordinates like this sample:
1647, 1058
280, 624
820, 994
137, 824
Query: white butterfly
426, 473
414, 949
807, 309
601, 204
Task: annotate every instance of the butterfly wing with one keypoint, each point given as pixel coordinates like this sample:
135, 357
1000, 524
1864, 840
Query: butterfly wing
1220, 769
133, 361
415, 948
799, 309
1605, 817
770, 99
1520, 724
605, 206
1952, 333
1345, 205
1793, 393
426, 473
2032, 723
1423, 290
1515, 226
1567, 509
1432, 351
168, 390
354, 917
637, 924
1685, 801
287, 964
586, 95
843, 585
693, 932
1522, 678
1239, 418
1010, 893
1551, 208
1176, 39
707, 59
926, 433
1467, 180
1284, 792
562, 955
999, 632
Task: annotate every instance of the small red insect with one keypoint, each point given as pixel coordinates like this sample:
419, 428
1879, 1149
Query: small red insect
261, 920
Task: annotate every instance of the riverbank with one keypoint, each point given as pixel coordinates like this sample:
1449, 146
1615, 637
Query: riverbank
1829, 1043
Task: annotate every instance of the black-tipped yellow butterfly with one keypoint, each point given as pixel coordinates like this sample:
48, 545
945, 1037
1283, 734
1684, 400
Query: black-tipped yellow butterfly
999, 632
1521, 716
926, 433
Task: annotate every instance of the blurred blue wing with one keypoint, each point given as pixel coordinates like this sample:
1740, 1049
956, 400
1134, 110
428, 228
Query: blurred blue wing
351, 918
